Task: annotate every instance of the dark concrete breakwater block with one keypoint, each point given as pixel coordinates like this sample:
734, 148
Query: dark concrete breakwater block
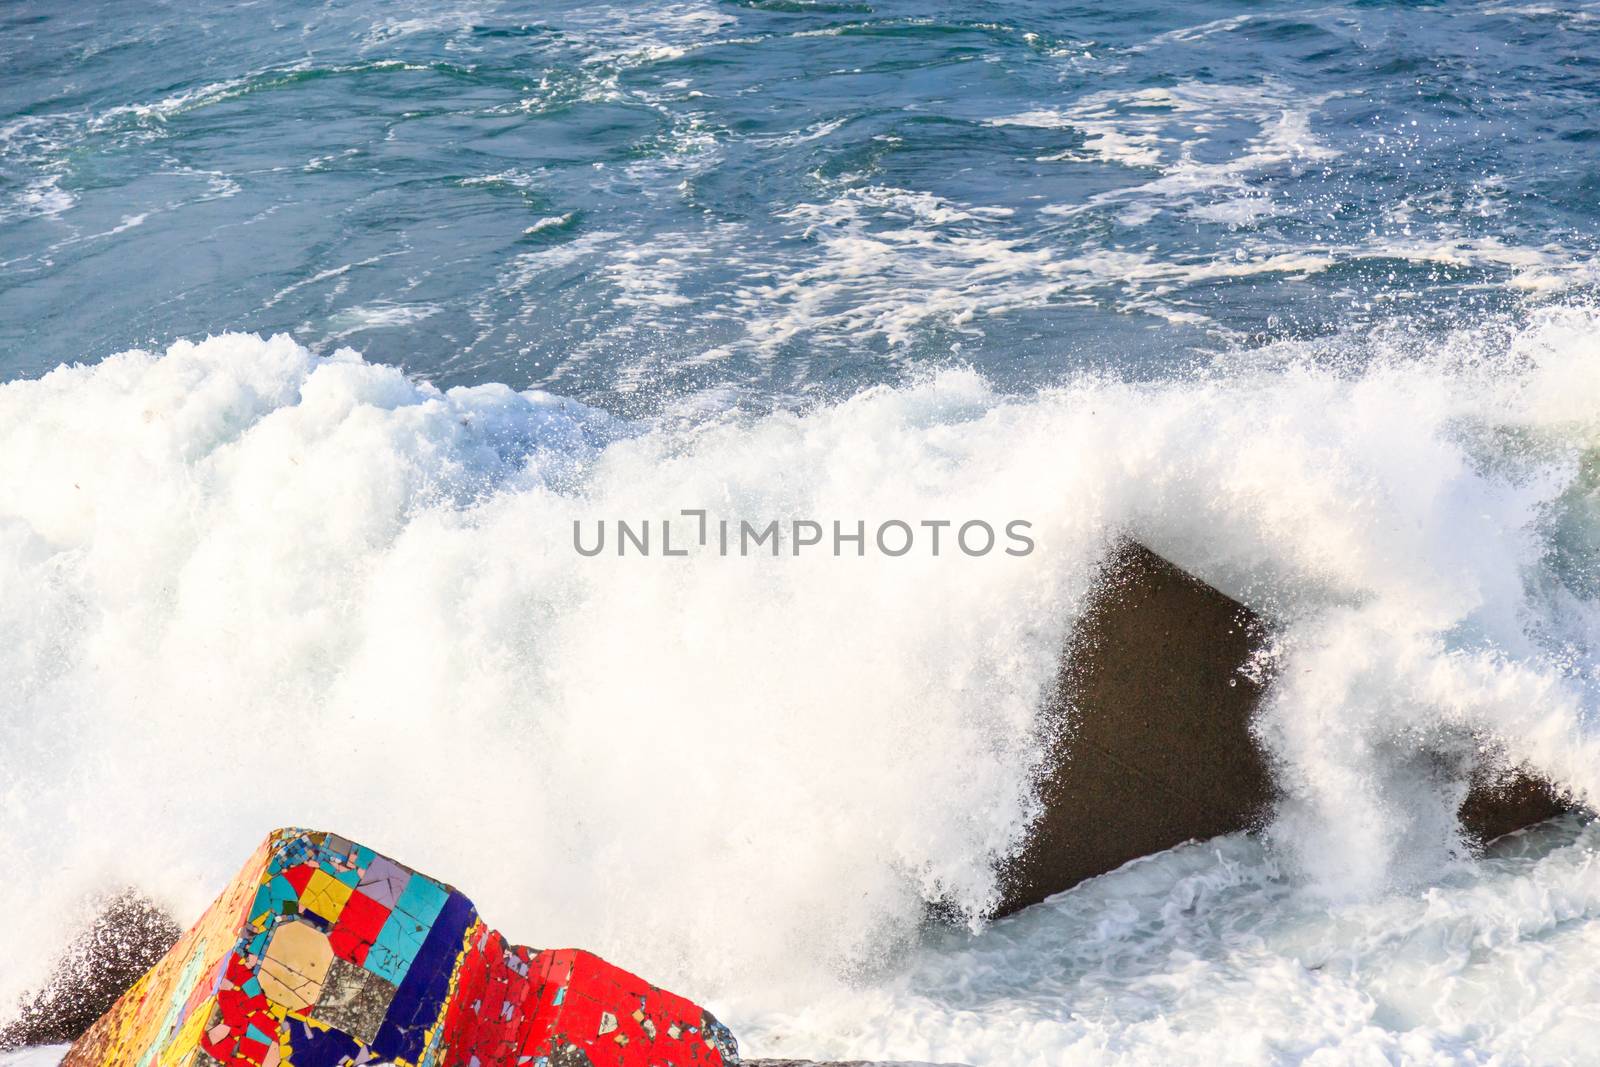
1154, 704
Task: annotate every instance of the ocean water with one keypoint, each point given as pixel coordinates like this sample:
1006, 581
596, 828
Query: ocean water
320, 326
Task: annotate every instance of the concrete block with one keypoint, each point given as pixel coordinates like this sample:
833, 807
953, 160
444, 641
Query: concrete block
1154, 748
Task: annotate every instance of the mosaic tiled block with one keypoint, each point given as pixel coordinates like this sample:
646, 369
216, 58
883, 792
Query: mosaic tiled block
324, 954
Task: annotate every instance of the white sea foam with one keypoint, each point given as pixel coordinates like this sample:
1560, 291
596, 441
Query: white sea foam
388, 30
1578, 14
1207, 954
41, 197
1548, 268
1164, 129
331, 274
885, 263
377, 316
654, 33
242, 586
891, 261
1189, 34
47, 1056
549, 222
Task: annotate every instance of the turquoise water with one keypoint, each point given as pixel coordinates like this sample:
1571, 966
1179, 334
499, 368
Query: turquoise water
634, 203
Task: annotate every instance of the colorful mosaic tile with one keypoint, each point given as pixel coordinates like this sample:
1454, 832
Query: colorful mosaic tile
324, 954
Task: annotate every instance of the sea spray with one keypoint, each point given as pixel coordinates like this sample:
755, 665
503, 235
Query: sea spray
749, 776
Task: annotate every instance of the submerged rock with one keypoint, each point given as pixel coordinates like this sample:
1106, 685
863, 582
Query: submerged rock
1496, 807
322, 953
1154, 746
128, 935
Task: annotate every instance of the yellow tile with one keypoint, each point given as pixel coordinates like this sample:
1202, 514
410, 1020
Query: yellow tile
325, 895
188, 1039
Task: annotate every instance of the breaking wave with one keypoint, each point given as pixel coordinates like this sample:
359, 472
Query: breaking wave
244, 586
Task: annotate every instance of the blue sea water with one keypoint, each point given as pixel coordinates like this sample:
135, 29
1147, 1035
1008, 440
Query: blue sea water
784, 197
